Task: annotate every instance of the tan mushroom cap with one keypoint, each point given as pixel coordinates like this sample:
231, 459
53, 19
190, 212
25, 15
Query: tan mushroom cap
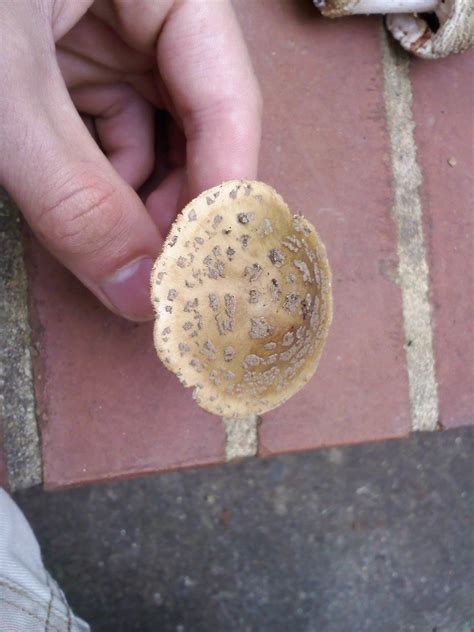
242, 295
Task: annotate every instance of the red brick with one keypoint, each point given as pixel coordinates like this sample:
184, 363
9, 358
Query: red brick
443, 108
325, 148
107, 407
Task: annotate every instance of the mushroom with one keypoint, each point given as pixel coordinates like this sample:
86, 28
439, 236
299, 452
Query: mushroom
427, 28
242, 296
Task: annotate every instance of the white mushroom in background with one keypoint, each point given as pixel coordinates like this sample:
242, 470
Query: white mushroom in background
242, 295
427, 28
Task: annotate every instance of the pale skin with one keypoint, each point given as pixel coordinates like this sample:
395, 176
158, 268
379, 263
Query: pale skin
81, 82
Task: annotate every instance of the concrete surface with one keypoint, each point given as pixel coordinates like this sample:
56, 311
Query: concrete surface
19, 444
375, 538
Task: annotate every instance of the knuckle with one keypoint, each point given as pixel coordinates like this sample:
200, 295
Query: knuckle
82, 218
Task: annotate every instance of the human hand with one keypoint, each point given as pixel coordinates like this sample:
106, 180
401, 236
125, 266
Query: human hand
117, 62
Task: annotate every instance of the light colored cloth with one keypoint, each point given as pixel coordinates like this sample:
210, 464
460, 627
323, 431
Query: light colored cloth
30, 599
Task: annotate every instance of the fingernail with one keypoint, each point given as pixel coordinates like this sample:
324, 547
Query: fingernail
128, 289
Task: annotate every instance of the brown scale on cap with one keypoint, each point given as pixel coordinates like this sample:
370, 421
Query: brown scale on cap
242, 295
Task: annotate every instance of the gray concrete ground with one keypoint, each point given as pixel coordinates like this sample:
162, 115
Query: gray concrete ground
374, 538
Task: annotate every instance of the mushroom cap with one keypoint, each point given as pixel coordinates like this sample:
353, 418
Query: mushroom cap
242, 296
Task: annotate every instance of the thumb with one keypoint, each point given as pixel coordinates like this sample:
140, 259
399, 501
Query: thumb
75, 202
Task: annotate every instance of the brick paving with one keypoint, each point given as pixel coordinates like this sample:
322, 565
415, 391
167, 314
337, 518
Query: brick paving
108, 409
443, 110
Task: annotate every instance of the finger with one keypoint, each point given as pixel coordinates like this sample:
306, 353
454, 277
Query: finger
124, 122
93, 52
102, 45
167, 200
73, 198
206, 67
136, 22
79, 70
